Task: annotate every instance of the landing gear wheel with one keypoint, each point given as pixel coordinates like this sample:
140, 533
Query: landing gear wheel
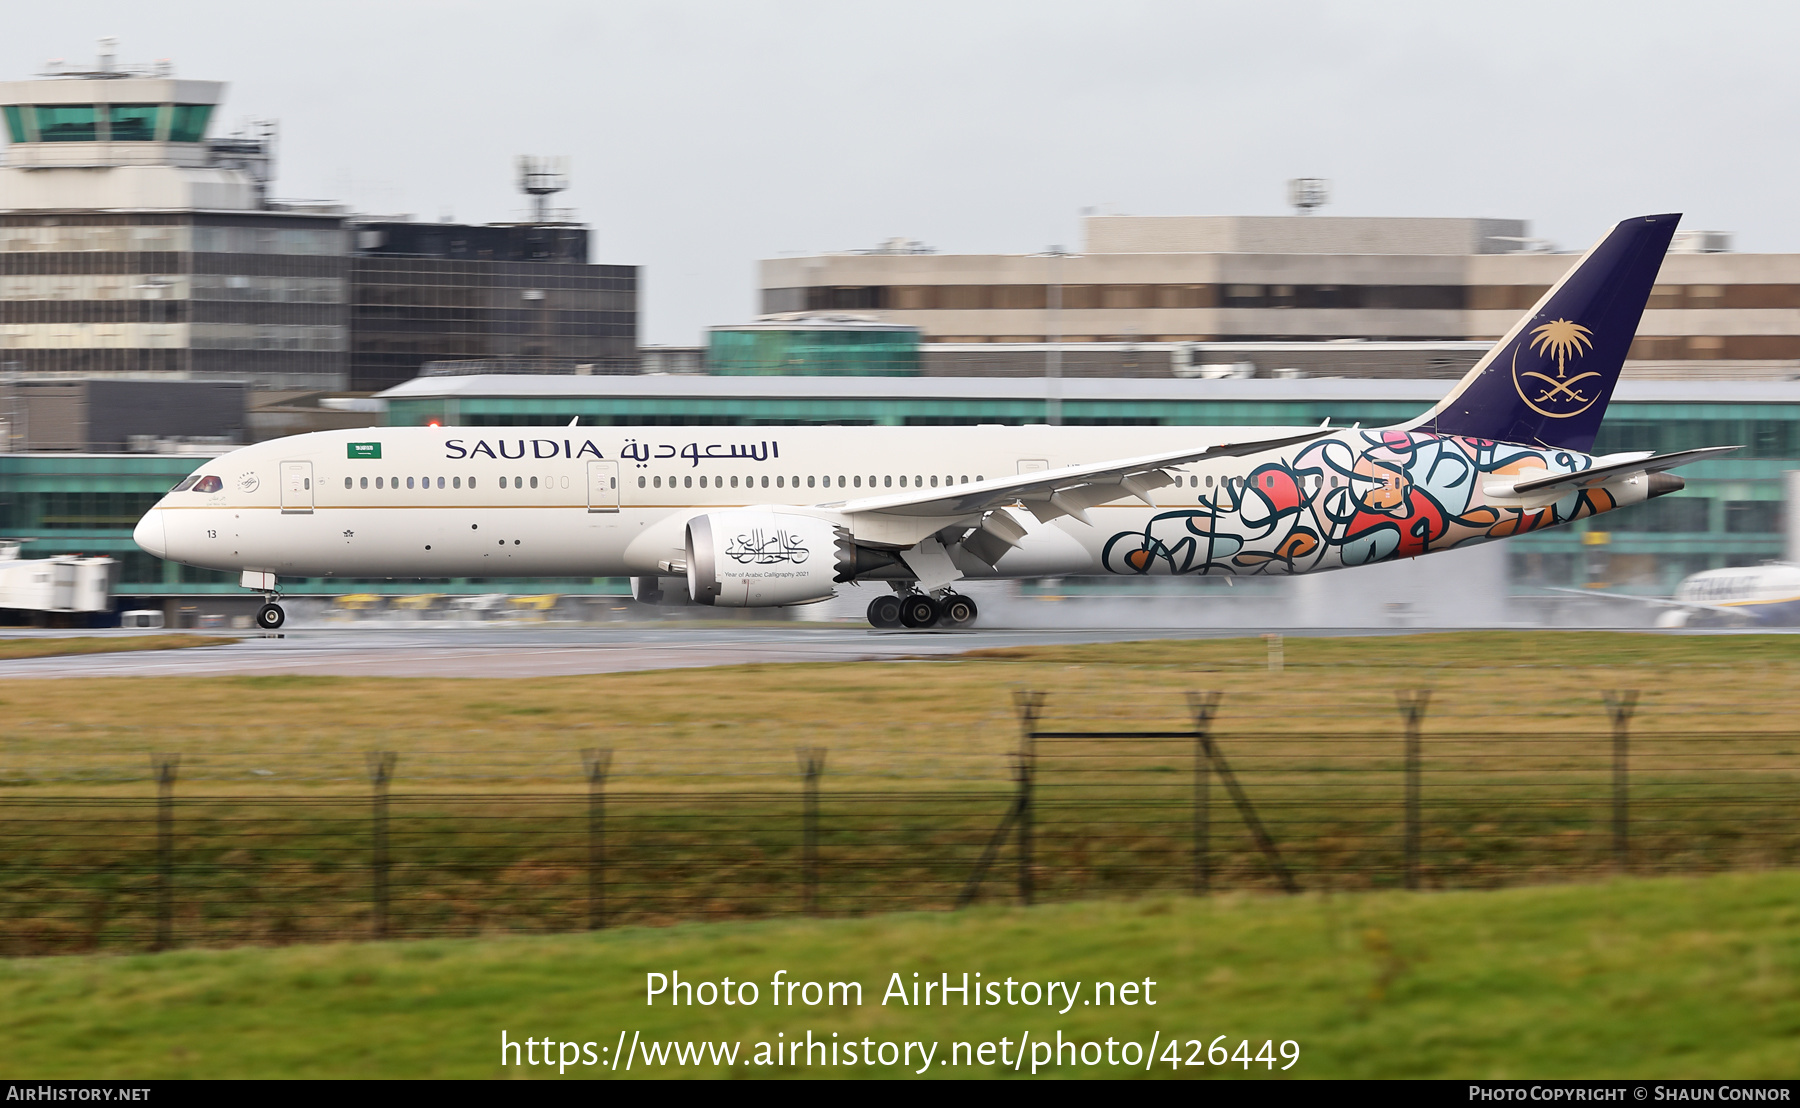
918, 610
270, 616
884, 611
958, 610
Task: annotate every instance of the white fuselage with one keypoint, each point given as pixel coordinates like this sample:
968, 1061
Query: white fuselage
1762, 594
432, 502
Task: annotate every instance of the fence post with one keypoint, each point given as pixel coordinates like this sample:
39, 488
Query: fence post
1620, 705
812, 765
381, 771
164, 766
1030, 706
1412, 705
1203, 705
596, 762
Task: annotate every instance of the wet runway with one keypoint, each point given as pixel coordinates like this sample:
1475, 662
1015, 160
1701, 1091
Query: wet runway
449, 650
424, 650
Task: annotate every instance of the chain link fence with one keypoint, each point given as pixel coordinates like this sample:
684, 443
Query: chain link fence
1127, 803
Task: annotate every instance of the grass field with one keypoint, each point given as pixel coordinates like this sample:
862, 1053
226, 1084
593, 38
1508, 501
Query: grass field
49, 647
948, 721
1670, 978
489, 825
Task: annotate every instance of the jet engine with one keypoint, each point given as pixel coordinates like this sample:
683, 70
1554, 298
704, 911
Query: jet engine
760, 559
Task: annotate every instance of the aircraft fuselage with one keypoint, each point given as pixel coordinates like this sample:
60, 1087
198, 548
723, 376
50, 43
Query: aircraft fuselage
434, 502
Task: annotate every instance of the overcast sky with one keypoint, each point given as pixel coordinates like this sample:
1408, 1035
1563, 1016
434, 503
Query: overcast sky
707, 135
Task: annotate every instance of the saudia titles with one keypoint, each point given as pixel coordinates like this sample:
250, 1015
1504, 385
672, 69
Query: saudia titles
641, 453
1561, 396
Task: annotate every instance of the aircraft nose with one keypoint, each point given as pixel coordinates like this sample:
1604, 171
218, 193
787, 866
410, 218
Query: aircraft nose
150, 534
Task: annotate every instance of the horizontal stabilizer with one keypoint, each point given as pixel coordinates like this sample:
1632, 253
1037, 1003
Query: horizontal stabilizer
1599, 475
1657, 601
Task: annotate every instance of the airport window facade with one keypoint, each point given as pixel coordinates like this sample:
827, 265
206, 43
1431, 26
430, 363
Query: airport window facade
444, 292
107, 122
256, 295
1445, 303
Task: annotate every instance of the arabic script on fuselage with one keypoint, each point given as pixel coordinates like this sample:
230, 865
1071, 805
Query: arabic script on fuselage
695, 453
633, 451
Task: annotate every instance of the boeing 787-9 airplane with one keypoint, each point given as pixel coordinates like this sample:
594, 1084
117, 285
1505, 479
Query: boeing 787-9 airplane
775, 517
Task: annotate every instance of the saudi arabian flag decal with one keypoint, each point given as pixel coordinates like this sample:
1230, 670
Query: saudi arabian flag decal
365, 450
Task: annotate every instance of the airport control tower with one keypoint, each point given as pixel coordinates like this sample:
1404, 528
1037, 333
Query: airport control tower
134, 242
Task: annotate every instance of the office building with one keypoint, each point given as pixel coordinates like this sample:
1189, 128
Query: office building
518, 297
1142, 288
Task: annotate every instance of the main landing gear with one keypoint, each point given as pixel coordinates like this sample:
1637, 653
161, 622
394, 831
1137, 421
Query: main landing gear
918, 610
270, 616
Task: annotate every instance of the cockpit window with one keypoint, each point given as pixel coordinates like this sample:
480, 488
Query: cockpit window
209, 484
186, 483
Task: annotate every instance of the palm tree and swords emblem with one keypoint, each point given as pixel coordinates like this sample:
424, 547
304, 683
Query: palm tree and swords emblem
1561, 339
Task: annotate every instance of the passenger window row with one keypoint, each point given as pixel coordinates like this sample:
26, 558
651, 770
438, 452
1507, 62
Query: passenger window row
453, 482
811, 482
394, 482
1312, 483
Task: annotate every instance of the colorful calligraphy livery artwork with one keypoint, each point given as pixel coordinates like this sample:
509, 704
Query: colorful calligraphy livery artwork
1349, 500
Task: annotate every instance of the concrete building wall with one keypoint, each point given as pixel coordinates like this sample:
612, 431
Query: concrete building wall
1711, 314
126, 188
1313, 234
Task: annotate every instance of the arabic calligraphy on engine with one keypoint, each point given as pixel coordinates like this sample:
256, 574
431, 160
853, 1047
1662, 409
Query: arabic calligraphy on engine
754, 549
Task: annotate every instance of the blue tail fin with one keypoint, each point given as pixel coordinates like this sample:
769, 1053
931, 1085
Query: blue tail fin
1547, 382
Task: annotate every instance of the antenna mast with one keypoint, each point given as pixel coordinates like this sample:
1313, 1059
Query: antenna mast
541, 178
1307, 193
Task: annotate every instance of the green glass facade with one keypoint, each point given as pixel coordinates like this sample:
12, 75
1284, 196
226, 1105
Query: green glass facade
189, 123
844, 350
107, 122
66, 122
136, 122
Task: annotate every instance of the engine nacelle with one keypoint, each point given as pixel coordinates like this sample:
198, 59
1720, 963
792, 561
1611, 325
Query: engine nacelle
759, 559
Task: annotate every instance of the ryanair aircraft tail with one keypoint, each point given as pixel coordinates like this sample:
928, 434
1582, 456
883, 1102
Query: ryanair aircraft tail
1548, 381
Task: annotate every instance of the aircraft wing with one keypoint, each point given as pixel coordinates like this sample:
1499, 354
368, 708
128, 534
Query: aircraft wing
1655, 601
1068, 491
1599, 475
